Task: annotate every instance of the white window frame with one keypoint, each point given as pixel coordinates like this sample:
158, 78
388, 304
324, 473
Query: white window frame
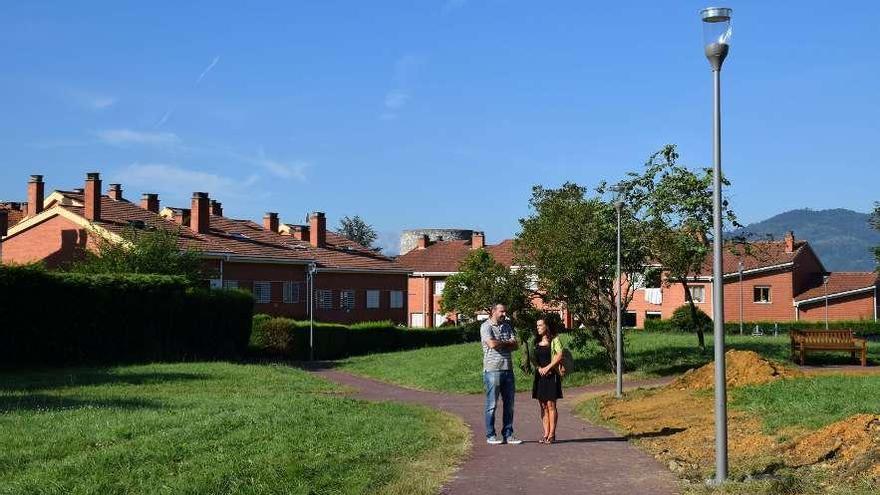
659, 314
420, 317
262, 292
396, 299
769, 294
347, 299
230, 284
291, 289
374, 299
324, 299
441, 284
702, 298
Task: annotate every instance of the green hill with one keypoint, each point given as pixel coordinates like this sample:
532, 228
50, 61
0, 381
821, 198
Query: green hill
842, 238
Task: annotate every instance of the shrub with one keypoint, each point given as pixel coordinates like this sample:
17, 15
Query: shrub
283, 337
684, 320
861, 327
51, 318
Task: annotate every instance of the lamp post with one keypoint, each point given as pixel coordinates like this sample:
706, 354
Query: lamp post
618, 204
740, 297
716, 41
825, 284
313, 269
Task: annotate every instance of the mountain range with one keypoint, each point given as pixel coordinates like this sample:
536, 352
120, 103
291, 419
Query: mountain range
843, 239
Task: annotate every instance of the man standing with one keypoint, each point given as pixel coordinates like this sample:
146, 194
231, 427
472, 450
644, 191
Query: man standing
498, 339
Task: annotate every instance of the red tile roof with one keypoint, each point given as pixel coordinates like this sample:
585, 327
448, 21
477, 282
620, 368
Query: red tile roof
446, 256
840, 282
241, 238
754, 255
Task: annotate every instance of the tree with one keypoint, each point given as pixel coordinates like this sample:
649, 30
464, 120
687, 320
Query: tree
570, 243
356, 229
875, 222
481, 282
153, 251
674, 204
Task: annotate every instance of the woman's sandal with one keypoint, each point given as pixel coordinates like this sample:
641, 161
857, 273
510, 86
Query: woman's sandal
550, 440
543, 440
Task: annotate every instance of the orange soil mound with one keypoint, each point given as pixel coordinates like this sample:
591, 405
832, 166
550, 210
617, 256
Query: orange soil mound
742, 368
850, 445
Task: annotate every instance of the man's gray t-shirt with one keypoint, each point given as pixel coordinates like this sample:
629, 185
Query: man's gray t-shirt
496, 359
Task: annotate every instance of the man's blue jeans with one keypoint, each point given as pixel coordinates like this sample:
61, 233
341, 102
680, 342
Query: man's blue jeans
499, 383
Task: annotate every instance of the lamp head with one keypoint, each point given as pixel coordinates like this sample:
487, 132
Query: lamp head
717, 32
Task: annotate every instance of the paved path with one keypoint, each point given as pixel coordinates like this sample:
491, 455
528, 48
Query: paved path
586, 459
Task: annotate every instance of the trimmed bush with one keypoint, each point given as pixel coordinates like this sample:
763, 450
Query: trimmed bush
51, 318
283, 337
861, 327
683, 320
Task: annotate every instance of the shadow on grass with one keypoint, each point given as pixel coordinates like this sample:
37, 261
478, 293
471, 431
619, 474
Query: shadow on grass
50, 403
19, 381
663, 432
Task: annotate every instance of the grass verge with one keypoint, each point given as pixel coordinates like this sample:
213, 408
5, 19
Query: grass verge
458, 368
213, 428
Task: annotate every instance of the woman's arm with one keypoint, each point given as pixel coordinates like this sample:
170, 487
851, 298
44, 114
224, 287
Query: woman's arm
553, 363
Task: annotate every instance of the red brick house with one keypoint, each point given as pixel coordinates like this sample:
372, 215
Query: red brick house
351, 282
781, 281
432, 263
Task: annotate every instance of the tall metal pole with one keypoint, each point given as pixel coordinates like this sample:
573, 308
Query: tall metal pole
311, 312
619, 334
825, 282
718, 295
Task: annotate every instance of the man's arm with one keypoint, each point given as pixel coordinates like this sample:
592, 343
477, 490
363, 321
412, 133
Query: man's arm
487, 337
511, 344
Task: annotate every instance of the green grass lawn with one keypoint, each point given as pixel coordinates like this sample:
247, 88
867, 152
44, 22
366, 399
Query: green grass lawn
811, 402
213, 428
458, 368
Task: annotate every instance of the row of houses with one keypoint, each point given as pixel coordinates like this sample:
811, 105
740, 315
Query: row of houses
771, 281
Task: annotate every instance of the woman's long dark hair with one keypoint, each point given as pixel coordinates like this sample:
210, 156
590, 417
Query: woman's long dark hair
551, 330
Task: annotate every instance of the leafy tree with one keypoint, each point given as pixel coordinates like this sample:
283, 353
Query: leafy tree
685, 320
481, 282
356, 229
153, 251
674, 204
570, 244
875, 222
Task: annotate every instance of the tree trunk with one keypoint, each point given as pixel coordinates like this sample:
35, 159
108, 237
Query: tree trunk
701, 339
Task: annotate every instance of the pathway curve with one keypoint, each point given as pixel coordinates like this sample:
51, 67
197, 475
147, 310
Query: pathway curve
586, 459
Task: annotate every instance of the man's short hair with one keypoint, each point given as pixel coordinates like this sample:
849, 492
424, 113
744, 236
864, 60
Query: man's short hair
495, 306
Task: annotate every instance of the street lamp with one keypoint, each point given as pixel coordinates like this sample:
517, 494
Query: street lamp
618, 205
740, 296
825, 283
313, 269
716, 44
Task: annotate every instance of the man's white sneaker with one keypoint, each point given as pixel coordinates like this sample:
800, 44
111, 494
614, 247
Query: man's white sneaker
512, 440
493, 441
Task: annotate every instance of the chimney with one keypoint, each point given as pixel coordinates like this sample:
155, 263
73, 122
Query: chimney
270, 221
478, 240
199, 217
92, 201
181, 216
115, 192
36, 190
789, 242
300, 232
150, 202
216, 208
317, 229
422, 242
4, 222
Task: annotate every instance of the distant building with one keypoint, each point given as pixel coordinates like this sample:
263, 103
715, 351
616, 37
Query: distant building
352, 283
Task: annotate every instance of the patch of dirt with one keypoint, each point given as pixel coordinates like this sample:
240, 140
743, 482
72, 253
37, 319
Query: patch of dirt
850, 445
742, 368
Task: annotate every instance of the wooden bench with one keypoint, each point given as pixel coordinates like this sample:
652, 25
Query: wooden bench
827, 340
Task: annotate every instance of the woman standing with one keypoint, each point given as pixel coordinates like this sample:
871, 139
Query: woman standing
547, 387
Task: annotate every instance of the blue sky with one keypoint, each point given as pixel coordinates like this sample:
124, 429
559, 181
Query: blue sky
433, 113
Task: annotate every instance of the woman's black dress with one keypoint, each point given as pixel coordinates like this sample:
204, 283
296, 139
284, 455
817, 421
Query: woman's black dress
547, 387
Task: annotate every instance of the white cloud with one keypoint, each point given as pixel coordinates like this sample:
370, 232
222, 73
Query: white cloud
90, 100
284, 170
450, 5
178, 183
396, 99
207, 69
121, 137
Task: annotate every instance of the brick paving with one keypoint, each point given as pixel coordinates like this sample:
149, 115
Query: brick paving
587, 459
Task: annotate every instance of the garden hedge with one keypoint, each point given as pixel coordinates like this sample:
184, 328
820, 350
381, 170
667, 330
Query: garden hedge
49, 318
283, 337
861, 327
